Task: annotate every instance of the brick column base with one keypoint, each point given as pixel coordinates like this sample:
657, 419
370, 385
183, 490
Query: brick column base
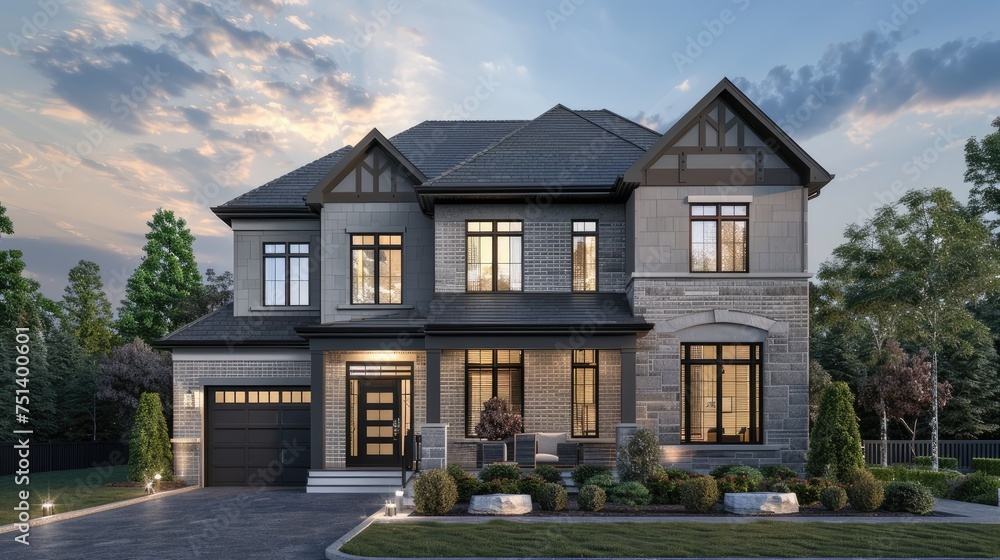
434, 446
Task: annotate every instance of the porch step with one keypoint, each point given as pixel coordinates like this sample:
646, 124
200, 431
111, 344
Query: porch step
353, 481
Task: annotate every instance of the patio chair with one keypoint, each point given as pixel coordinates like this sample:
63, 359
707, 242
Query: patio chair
550, 448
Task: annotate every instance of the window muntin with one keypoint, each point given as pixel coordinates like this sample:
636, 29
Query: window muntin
720, 237
493, 256
377, 269
584, 393
721, 393
488, 374
584, 246
286, 274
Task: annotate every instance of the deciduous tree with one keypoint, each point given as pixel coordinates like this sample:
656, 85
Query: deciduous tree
131, 370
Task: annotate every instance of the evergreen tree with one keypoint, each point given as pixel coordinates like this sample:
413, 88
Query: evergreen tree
157, 293
835, 442
149, 443
86, 309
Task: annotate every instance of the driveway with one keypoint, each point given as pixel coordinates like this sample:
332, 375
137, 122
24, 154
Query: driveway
207, 523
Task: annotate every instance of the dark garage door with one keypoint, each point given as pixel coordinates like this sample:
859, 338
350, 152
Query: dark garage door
257, 436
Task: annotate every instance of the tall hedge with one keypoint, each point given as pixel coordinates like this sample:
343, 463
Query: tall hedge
835, 442
149, 445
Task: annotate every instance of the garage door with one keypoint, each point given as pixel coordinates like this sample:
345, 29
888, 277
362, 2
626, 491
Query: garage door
257, 436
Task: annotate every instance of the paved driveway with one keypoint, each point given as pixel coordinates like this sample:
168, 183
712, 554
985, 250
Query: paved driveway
206, 523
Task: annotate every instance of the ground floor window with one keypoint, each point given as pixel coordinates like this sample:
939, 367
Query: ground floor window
721, 393
488, 374
584, 392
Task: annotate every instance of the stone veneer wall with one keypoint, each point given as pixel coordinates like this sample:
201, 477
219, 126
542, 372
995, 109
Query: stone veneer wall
189, 409
335, 368
547, 381
786, 369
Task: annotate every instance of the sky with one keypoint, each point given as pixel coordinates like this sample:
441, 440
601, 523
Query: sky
110, 110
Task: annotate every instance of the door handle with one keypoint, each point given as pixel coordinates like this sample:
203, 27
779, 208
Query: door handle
283, 456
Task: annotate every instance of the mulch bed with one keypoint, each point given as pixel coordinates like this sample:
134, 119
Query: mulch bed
172, 485
667, 511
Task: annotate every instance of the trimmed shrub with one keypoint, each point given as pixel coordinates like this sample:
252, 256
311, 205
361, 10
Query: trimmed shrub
721, 471
549, 473
778, 472
434, 492
500, 471
740, 478
466, 484
583, 473
835, 441
149, 442
532, 486
910, 497
986, 466
833, 498
978, 487
866, 493
677, 474
943, 462
807, 492
780, 486
552, 497
499, 486
940, 483
498, 420
698, 494
638, 458
630, 494
603, 481
663, 489
591, 498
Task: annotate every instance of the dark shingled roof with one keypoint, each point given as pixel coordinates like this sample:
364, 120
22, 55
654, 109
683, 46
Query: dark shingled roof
561, 145
221, 328
590, 312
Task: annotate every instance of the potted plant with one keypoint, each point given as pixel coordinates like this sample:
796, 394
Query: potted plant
497, 422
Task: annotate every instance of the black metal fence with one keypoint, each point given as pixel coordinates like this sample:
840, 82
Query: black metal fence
899, 450
44, 457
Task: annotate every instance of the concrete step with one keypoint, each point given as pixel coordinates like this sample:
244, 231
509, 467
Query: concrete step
353, 481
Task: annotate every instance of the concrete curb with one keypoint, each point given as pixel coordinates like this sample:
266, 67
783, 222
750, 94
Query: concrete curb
96, 509
333, 551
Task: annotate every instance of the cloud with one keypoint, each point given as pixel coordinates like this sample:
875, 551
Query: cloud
683, 86
868, 79
294, 20
654, 121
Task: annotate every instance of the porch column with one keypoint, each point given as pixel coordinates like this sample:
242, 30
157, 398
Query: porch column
433, 386
628, 387
317, 412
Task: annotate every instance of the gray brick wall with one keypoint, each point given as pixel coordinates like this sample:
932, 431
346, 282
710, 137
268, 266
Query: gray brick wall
662, 227
547, 243
786, 353
189, 410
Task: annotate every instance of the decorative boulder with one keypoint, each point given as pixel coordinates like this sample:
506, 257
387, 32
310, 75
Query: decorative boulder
501, 504
749, 503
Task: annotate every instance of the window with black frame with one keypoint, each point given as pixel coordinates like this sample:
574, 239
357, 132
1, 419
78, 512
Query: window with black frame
720, 237
493, 256
584, 245
721, 393
377, 269
584, 393
286, 274
488, 374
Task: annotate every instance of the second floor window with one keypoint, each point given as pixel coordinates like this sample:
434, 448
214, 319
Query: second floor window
719, 237
584, 256
286, 274
493, 256
377, 269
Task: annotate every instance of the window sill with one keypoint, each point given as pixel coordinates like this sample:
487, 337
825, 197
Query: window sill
372, 307
285, 308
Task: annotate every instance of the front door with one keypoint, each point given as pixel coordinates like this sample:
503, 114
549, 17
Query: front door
378, 398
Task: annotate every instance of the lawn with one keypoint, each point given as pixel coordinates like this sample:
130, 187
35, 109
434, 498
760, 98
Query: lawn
682, 540
68, 490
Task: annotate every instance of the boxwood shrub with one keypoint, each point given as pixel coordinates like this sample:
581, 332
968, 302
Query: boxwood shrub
591, 498
434, 492
630, 494
604, 481
910, 497
943, 462
553, 497
978, 488
583, 473
549, 473
699, 493
833, 498
939, 483
986, 466
500, 471
466, 484
775, 472
866, 493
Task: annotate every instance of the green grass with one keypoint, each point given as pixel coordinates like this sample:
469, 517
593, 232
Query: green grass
68, 490
683, 540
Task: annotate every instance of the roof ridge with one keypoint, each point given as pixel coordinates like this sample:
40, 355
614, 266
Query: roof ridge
611, 132
484, 150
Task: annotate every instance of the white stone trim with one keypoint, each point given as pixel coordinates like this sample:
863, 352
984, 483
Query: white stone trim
719, 199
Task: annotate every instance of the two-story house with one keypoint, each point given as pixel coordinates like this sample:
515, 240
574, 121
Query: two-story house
596, 274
